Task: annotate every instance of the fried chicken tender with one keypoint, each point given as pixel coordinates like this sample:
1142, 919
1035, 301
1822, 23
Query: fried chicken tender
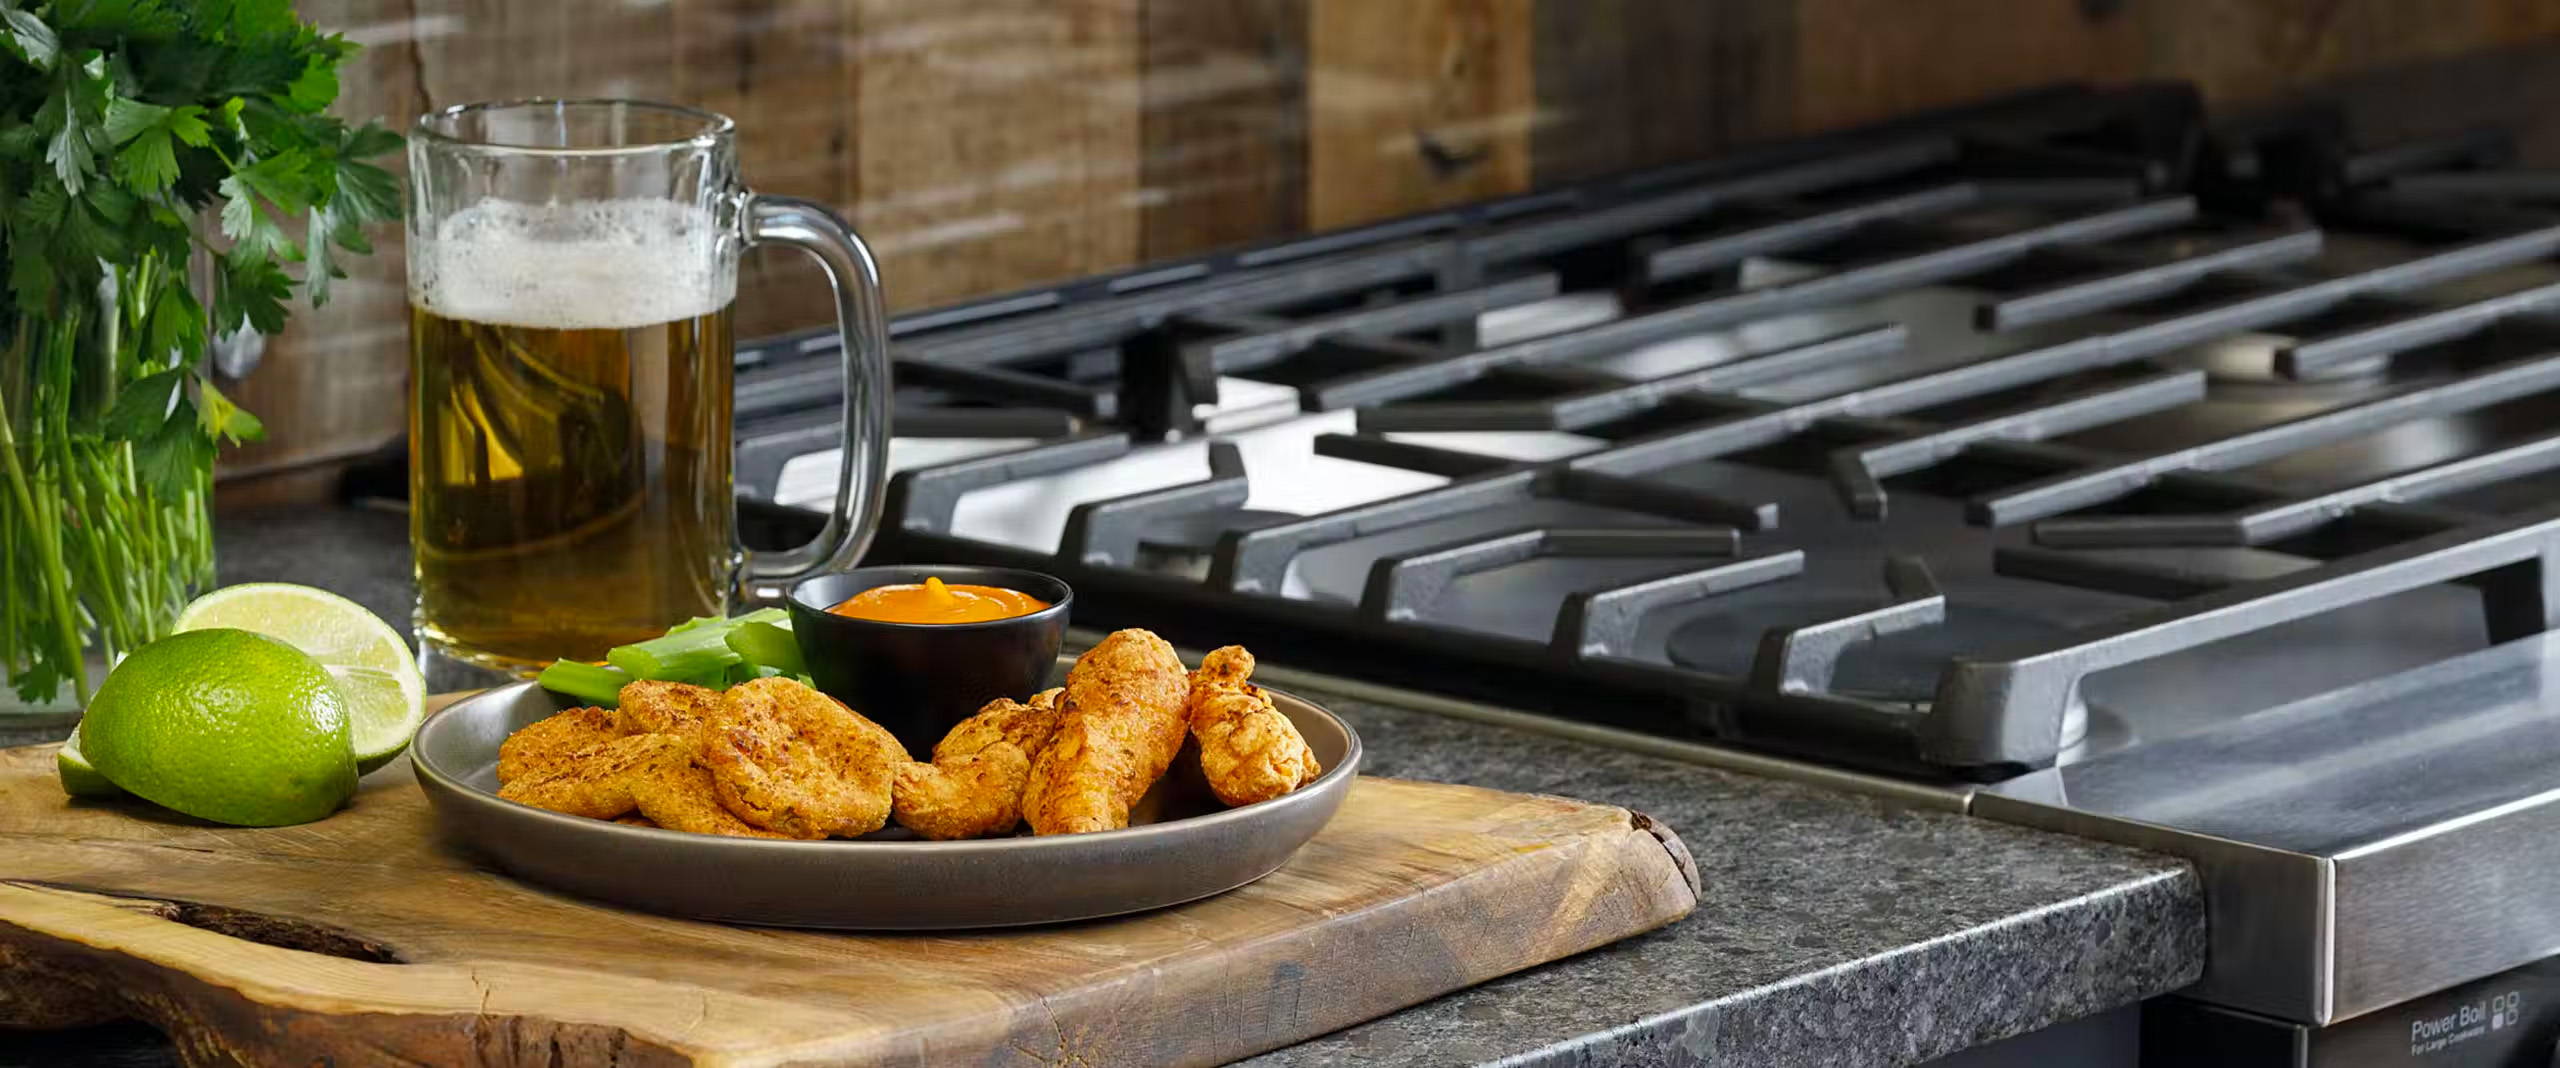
679, 796
596, 781
965, 796
542, 746
789, 759
1025, 725
1121, 724
974, 785
1249, 751
653, 707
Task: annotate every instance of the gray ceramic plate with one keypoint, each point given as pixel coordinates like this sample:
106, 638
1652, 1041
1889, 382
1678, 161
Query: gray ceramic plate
1184, 845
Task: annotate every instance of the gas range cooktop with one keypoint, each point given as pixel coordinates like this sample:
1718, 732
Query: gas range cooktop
1974, 444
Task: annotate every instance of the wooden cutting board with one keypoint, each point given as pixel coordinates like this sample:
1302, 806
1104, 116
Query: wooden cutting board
365, 940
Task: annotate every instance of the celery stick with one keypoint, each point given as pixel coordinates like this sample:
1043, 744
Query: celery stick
744, 672
697, 650
577, 681
683, 655
761, 615
768, 645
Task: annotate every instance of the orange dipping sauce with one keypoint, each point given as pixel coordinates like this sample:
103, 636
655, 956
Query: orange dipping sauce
938, 602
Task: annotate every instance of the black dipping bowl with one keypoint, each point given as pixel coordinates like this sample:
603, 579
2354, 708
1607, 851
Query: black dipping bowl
919, 679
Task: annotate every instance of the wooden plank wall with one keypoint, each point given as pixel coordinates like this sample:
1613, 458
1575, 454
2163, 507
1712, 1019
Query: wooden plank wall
996, 144
1222, 124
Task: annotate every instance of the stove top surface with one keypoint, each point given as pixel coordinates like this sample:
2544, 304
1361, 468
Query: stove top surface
1975, 444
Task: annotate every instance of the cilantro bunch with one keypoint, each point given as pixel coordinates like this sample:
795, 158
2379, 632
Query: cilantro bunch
125, 125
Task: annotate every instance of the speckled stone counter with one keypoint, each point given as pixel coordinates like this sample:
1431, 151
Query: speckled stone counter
1835, 929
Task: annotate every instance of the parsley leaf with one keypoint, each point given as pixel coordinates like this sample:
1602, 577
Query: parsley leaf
143, 405
286, 179
151, 134
113, 204
144, 20
315, 87
250, 291
223, 419
42, 207
88, 228
69, 150
368, 141
187, 125
176, 326
28, 38
40, 681
253, 234
366, 192
170, 459
127, 118
19, 142
253, 19
149, 164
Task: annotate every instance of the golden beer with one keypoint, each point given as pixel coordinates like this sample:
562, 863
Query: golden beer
570, 489
569, 484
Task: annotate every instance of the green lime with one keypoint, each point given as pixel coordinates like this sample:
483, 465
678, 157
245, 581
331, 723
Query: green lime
224, 725
386, 697
78, 778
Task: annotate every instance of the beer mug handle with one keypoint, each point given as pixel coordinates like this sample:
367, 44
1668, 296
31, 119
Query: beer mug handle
862, 326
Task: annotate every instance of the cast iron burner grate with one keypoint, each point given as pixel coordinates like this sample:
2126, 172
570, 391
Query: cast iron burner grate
1903, 540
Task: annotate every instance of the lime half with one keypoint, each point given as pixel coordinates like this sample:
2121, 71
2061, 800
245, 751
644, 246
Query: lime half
385, 696
224, 725
78, 778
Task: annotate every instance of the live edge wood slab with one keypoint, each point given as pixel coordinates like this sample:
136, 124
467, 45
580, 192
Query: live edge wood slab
365, 939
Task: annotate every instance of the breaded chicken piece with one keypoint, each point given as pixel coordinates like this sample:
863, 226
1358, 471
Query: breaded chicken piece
653, 707
635, 821
789, 759
974, 785
540, 746
1249, 751
964, 796
596, 781
1026, 725
1121, 724
679, 796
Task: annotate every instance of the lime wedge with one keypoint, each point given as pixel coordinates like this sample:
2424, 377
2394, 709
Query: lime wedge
78, 778
385, 696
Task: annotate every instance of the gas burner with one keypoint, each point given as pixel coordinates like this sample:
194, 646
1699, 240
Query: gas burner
1901, 668
1182, 544
2254, 364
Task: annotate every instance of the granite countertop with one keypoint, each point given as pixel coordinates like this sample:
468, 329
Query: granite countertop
1834, 929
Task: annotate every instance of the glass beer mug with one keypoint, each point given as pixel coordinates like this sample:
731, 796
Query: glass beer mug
571, 269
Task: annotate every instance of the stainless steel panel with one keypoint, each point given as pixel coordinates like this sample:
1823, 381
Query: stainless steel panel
2445, 905
2267, 947
2412, 823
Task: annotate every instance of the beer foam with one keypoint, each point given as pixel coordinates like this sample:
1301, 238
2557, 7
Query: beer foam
582, 265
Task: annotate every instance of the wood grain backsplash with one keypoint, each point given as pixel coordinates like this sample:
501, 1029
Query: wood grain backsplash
994, 144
